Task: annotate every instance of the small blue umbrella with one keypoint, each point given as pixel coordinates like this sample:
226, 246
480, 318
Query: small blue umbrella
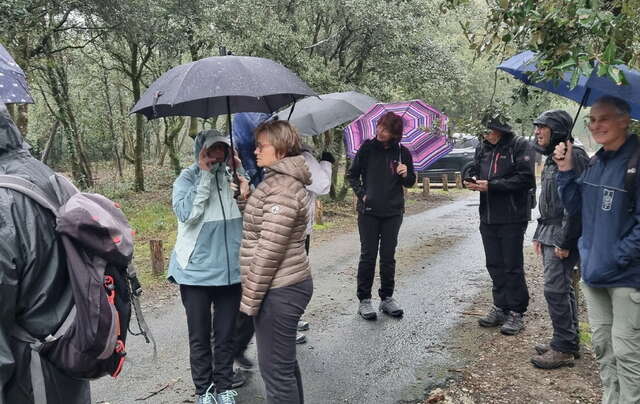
588, 89
13, 82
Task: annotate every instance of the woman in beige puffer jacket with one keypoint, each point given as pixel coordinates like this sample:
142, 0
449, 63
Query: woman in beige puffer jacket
275, 273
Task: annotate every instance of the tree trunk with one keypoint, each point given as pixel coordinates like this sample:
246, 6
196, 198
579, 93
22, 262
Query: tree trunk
171, 135
193, 127
138, 153
157, 257
23, 119
57, 80
114, 136
49, 145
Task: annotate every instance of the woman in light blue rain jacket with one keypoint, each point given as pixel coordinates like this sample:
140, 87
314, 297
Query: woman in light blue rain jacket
205, 263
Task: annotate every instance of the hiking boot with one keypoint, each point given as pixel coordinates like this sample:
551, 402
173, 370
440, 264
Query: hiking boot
300, 338
366, 310
541, 349
243, 362
390, 306
552, 360
513, 324
238, 379
208, 397
227, 397
303, 325
494, 318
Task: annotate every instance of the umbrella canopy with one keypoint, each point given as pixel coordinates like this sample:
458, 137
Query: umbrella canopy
221, 85
315, 115
588, 89
426, 146
13, 82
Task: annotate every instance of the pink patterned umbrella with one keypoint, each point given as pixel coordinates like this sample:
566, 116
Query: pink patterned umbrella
424, 134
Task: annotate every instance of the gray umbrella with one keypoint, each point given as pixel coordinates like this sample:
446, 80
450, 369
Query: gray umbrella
315, 115
221, 85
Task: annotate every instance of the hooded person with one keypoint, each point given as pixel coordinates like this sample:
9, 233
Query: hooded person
556, 241
205, 263
35, 292
504, 176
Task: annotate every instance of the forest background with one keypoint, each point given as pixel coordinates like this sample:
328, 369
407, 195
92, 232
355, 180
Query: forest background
87, 62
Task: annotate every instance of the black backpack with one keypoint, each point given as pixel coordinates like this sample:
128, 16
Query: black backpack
98, 245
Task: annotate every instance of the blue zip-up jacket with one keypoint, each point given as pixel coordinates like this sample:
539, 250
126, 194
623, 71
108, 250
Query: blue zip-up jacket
209, 224
610, 242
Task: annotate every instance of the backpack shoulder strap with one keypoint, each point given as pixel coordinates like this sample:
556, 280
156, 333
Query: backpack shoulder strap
631, 175
29, 189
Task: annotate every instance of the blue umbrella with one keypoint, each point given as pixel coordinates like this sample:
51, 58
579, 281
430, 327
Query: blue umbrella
13, 82
588, 89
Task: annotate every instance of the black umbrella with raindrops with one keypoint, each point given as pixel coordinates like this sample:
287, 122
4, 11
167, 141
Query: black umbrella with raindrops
222, 85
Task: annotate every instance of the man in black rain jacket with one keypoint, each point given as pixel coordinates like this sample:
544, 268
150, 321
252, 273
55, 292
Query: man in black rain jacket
556, 240
35, 293
504, 176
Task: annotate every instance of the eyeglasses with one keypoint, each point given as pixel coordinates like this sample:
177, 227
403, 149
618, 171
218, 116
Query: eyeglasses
260, 146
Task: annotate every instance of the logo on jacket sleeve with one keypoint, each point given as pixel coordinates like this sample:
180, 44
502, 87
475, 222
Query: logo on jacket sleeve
275, 209
607, 199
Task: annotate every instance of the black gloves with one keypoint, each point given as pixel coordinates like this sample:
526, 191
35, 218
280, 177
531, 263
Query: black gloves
326, 156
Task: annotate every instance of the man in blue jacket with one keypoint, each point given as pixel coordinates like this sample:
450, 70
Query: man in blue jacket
609, 246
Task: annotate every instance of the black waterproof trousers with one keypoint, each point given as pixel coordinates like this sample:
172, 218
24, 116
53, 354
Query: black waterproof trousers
505, 263
276, 327
198, 302
377, 232
561, 299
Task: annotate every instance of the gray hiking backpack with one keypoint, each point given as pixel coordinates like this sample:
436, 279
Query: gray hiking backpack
98, 244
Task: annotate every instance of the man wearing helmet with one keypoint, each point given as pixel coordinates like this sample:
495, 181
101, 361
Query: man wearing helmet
555, 240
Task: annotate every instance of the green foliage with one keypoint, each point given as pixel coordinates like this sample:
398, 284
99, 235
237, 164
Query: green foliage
112, 50
568, 35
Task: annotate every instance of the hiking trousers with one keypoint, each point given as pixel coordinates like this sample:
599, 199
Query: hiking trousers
614, 315
244, 324
198, 302
276, 327
505, 263
561, 299
382, 232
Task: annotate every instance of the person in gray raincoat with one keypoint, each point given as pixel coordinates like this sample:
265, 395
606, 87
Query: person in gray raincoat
556, 241
35, 292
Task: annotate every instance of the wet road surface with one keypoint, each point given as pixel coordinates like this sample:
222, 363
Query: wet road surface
347, 359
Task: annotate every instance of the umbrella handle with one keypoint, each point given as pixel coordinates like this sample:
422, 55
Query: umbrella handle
234, 177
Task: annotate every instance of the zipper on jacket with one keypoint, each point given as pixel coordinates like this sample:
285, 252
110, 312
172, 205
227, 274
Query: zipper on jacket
224, 227
493, 154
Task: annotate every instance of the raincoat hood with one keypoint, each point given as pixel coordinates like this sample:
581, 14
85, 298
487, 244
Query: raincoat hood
10, 137
208, 138
497, 123
560, 123
294, 166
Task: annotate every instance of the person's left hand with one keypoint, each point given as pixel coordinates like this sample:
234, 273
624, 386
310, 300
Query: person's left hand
402, 170
561, 253
245, 187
